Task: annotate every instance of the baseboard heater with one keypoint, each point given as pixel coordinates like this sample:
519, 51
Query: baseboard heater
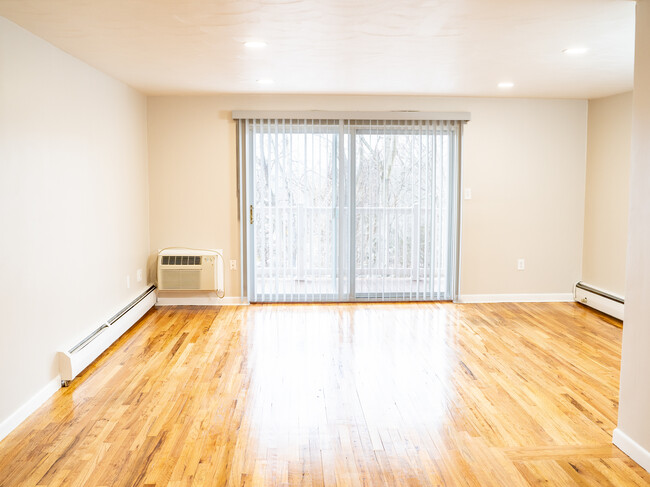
599, 299
72, 362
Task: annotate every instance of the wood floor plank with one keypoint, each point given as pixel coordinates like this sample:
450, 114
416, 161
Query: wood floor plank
427, 394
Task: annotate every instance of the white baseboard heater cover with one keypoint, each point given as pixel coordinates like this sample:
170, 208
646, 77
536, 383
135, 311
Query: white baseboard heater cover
603, 301
72, 362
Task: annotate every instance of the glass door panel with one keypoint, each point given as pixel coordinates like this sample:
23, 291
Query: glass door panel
402, 232
295, 211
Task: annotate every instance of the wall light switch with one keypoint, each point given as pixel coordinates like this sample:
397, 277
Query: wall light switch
139, 275
468, 193
233, 265
521, 264
128, 282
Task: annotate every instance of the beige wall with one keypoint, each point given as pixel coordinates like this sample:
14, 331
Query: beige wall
633, 432
524, 161
73, 206
607, 193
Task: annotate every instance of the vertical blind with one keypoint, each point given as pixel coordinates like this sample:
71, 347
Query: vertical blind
349, 209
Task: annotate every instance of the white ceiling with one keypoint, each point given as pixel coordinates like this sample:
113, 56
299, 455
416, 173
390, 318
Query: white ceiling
438, 47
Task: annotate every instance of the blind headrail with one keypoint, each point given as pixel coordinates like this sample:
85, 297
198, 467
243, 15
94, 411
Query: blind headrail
348, 115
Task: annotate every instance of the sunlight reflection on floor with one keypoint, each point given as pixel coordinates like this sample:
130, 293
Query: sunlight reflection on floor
314, 368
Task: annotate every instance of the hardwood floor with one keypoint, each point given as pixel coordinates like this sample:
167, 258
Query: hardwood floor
381, 394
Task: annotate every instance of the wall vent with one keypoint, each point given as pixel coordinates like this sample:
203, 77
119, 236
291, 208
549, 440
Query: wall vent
181, 260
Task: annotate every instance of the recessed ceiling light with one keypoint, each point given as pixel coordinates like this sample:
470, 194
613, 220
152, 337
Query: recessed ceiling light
255, 44
265, 81
575, 51
506, 84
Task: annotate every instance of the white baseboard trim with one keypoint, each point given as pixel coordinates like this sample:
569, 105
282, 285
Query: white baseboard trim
23, 412
631, 448
210, 300
516, 298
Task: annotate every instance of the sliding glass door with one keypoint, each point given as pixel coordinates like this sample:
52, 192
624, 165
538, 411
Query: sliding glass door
403, 195
294, 175
345, 210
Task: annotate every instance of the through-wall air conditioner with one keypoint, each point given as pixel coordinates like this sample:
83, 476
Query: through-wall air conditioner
185, 269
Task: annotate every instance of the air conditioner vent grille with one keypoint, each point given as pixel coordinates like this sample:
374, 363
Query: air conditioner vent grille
181, 260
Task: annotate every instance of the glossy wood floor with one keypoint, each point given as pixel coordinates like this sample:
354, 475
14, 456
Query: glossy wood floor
381, 394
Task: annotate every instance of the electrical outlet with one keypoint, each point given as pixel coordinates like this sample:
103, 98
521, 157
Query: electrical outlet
139, 275
128, 282
521, 264
233, 265
468, 193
